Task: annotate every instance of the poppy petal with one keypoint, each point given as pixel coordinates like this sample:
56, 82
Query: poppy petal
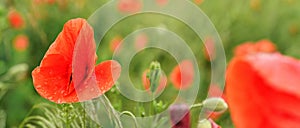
182, 75
262, 91
65, 41
48, 80
84, 56
107, 73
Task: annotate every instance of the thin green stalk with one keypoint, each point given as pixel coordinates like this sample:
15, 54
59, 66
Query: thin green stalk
133, 117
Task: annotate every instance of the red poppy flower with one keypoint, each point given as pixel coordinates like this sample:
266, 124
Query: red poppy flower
263, 91
115, 42
162, 82
141, 41
250, 48
265, 46
21, 42
15, 19
209, 49
50, 1
162, 2
129, 6
198, 1
44, 1
182, 75
244, 49
54, 78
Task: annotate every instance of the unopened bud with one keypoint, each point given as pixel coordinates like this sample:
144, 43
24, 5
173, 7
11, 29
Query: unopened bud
180, 116
207, 123
154, 75
215, 104
204, 124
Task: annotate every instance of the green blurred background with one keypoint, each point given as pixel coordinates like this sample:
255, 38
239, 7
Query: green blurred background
237, 21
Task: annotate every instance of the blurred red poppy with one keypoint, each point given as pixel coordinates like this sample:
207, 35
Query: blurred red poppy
50, 1
209, 49
182, 75
21, 42
265, 46
262, 91
129, 6
54, 78
198, 1
115, 42
141, 41
250, 47
162, 2
162, 82
15, 19
44, 1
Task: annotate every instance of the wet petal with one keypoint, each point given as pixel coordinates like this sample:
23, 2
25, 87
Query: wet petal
107, 73
53, 78
65, 41
49, 80
84, 56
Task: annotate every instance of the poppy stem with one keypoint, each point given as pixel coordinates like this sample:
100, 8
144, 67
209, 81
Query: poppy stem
133, 117
84, 116
199, 105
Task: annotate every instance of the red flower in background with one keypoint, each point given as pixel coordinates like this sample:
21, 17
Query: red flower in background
162, 82
209, 49
262, 91
54, 78
15, 19
129, 6
115, 42
265, 46
141, 41
44, 1
250, 48
162, 2
21, 42
198, 1
182, 75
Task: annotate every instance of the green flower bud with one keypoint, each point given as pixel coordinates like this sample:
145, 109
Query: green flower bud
154, 75
215, 104
204, 124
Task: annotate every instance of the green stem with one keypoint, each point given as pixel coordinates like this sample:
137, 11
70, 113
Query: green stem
199, 105
133, 117
84, 116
